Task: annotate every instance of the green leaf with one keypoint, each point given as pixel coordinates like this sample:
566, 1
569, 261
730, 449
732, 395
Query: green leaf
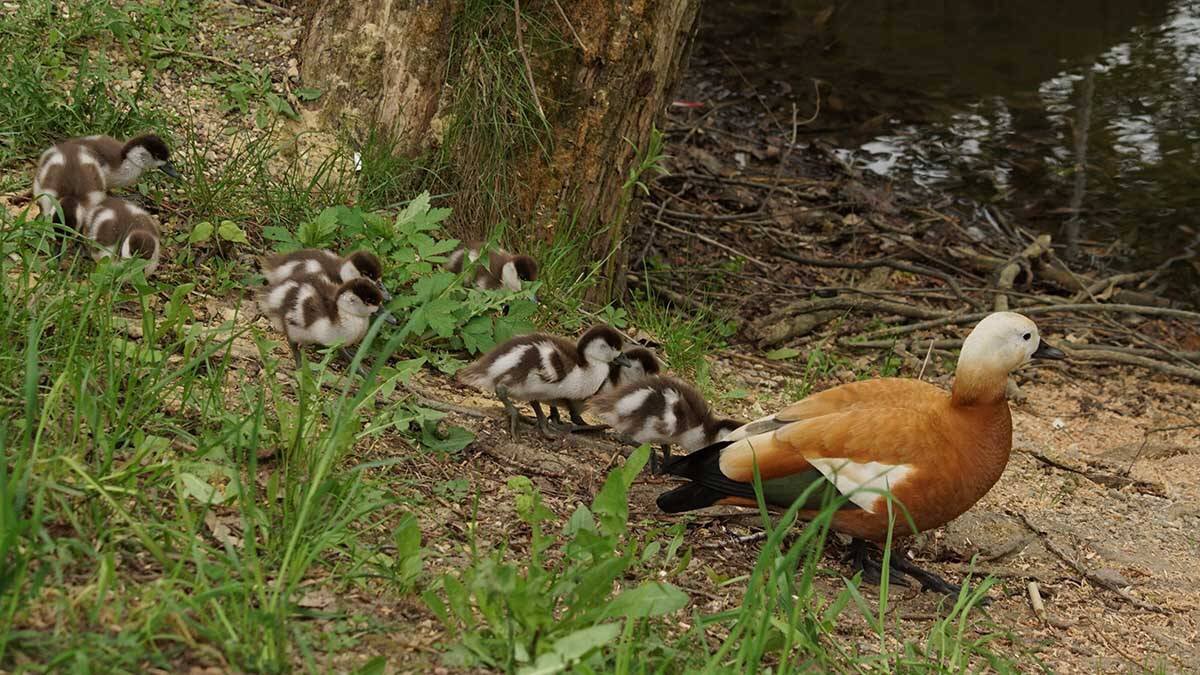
571, 647
783, 353
455, 439
650, 599
476, 334
612, 503
200, 233
198, 489
308, 93
229, 231
376, 666
440, 314
281, 106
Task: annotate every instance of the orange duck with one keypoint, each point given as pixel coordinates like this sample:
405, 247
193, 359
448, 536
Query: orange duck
937, 453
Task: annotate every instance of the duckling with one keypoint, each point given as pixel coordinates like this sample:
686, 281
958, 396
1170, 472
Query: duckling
937, 452
539, 367
336, 269
124, 163
642, 363
311, 310
72, 175
504, 269
123, 230
662, 410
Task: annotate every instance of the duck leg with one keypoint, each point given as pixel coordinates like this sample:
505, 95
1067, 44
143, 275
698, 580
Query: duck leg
658, 466
862, 558
514, 415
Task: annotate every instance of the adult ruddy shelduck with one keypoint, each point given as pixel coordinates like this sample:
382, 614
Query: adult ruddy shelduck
937, 453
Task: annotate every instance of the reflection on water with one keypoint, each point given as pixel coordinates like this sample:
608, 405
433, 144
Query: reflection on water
1079, 116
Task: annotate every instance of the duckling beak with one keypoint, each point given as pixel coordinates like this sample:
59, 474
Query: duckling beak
388, 318
169, 169
387, 297
1045, 351
622, 361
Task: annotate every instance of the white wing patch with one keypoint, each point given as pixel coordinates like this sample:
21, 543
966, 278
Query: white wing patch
858, 481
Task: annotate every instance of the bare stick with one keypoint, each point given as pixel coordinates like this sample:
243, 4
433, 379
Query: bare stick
928, 353
884, 262
1083, 571
525, 58
709, 240
562, 13
1047, 309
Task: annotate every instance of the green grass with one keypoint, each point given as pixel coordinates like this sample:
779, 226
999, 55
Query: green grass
139, 527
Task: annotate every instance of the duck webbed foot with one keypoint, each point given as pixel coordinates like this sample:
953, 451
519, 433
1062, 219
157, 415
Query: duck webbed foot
578, 424
863, 558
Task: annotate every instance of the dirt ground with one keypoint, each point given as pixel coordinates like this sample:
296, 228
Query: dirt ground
1100, 503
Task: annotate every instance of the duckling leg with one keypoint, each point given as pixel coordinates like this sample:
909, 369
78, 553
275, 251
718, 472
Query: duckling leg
554, 416
296, 354
514, 416
543, 424
659, 466
577, 421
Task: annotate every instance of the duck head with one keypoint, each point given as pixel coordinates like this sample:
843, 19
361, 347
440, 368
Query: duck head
359, 297
998, 345
602, 344
149, 152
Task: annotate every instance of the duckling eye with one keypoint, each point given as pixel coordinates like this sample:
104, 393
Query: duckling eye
1027, 336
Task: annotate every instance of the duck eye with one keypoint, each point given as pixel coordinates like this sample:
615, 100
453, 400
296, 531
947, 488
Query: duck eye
1027, 336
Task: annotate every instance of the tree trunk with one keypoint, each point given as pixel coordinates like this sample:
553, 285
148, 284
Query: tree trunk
541, 129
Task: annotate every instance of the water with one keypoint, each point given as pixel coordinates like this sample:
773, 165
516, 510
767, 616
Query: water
1079, 117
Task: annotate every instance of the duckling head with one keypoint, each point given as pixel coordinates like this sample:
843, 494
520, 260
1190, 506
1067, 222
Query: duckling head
521, 269
602, 344
149, 152
359, 297
641, 364
368, 265
139, 244
998, 345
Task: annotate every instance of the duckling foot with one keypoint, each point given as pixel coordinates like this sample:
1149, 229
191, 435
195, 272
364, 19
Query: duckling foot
514, 416
296, 354
543, 424
658, 466
862, 559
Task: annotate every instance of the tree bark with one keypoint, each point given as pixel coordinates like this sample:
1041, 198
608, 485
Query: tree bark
539, 129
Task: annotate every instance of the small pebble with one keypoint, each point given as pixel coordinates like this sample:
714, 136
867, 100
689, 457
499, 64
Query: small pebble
1058, 424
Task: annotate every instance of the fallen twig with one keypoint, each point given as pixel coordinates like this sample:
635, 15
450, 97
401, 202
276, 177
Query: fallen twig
884, 262
1104, 478
1083, 571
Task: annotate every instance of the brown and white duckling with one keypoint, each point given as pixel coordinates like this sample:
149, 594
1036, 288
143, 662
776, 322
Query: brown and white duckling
124, 163
310, 310
123, 230
539, 367
642, 364
336, 269
662, 410
503, 270
73, 176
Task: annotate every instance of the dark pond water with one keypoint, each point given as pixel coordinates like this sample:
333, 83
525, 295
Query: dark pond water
1078, 117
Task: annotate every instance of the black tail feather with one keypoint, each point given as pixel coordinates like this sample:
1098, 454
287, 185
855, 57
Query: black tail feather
696, 465
688, 497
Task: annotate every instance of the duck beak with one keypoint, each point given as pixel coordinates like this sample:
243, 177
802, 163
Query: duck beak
622, 361
169, 169
1045, 351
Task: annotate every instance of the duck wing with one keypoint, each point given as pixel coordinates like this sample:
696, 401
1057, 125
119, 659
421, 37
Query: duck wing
857, 452
882, 393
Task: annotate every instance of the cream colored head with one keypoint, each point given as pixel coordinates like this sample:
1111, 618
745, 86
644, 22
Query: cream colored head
1003, 342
